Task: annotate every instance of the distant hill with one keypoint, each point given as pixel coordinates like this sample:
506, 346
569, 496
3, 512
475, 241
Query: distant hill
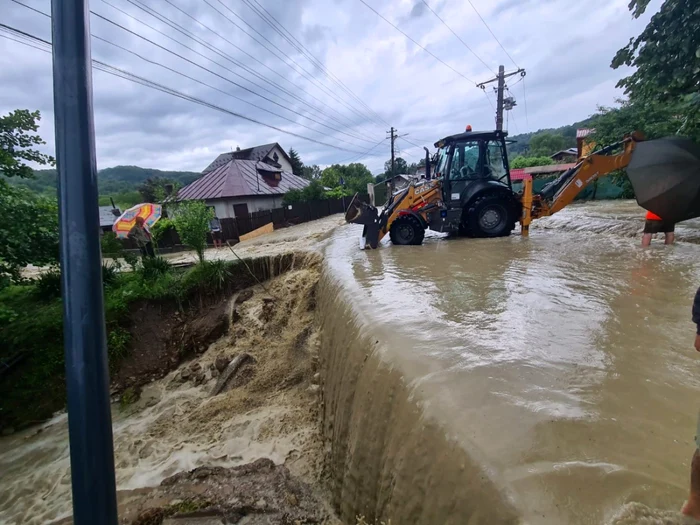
111, 181
523, 140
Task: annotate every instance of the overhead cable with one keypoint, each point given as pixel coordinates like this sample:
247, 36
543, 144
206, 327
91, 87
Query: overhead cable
416, 43
492, 34
459, 38
113, 70
294, 42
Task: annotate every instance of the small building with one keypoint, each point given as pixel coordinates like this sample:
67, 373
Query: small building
241, 182
107, 217
565, 156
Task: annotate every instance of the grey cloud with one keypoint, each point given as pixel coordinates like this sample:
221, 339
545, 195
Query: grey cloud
403, 84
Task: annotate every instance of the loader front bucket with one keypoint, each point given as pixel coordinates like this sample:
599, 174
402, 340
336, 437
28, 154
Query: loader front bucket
359, 212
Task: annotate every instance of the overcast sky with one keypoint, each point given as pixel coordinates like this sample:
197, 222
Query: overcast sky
374, 76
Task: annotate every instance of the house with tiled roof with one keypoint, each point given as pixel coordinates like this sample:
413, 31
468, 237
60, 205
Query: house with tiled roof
238, 183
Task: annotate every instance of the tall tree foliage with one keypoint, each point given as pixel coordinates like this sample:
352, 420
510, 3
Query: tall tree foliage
18, 139
666, 54
354, 177
157, 189
28, 231
546, 144
297, 164
311, 172
400, 167
29, 225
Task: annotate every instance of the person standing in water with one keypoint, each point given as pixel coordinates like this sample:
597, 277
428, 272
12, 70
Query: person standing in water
655, 224
692, 506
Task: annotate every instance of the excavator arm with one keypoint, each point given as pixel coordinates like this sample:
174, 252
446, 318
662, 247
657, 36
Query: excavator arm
561, 192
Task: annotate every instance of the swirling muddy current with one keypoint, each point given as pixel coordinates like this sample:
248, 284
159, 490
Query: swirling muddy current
547, 380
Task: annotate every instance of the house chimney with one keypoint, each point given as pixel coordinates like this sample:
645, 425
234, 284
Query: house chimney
238, 148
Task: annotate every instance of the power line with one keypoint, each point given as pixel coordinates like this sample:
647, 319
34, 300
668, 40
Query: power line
306, 74
309, 56
459, 38
363, 155
492, 34
403, 137
232, 71
416, 43
113, 70
181, 29
206, 69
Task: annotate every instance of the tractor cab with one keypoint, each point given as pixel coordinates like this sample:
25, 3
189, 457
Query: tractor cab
469, 158
473, 167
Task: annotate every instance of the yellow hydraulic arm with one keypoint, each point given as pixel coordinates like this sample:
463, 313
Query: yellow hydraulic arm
573, 181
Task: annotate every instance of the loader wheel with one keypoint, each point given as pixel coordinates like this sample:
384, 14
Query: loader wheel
491, 215
407, 230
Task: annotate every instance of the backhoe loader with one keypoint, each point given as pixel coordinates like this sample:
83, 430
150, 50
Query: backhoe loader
471, 192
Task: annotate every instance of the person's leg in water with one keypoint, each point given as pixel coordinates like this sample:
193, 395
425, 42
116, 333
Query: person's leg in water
669, 230
651, 228
692, 506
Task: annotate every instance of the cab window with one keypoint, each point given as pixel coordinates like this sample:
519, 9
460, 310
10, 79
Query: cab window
465, 161
495, 161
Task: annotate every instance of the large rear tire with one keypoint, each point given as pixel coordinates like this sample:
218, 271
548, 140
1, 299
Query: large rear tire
490, 215
406, 231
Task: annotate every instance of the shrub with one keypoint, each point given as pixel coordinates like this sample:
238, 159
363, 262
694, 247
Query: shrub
48, 284
111, 245
132, 260
110, 273
118, 340
154, 267
191, 220
208, 275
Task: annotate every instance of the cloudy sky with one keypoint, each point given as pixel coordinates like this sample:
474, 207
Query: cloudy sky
334, 72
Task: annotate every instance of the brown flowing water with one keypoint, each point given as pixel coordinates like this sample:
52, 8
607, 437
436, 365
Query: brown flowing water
562, 365
549, 380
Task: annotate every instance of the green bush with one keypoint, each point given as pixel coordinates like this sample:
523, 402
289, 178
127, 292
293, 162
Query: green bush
48, 284
154, 267
111, 245
118, 340
191, 220
110, 273
132, 260
208, 275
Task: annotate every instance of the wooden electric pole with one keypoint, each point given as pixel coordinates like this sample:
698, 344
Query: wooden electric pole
393, 138
500, 89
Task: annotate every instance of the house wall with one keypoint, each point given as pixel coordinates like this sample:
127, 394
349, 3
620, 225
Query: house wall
224, 207
286, 166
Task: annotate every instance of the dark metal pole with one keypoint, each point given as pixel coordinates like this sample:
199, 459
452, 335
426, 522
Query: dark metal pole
87, 374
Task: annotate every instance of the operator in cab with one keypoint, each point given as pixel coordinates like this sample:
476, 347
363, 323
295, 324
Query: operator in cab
655, 224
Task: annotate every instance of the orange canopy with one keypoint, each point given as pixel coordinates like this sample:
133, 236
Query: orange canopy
653, 217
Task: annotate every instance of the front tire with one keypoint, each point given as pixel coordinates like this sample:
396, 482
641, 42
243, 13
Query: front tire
407, 231
490, 215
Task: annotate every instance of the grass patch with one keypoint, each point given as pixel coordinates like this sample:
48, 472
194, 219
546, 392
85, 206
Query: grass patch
31, 324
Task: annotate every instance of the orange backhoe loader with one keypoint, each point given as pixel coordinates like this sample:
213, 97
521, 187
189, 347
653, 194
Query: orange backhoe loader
471, 192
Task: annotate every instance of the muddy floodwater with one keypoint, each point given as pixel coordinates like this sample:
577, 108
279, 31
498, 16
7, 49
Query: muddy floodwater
563, 364
548, 380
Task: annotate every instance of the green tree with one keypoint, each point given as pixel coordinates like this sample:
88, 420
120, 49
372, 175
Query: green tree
546, 144
666, 54
191, 220
527, 162
17, 140
297, 164
330, 177
157, 189
28, 230
400, 167
314, 191
311, 172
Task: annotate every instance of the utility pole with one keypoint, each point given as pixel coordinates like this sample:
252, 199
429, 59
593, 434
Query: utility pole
393, 138
500, 101
84, 335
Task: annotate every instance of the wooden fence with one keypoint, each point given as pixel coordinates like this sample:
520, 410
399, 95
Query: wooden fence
233, 228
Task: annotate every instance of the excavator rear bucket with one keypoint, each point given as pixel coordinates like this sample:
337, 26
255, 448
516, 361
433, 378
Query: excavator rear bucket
359, 212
